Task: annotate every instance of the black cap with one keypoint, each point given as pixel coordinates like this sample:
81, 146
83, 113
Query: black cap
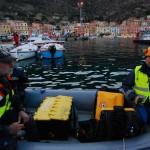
5, 57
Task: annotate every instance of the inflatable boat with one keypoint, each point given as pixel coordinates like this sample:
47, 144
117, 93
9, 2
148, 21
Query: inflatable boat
51, 50
53, 62
84, 101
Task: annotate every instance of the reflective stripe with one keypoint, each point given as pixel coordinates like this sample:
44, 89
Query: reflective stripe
141, 89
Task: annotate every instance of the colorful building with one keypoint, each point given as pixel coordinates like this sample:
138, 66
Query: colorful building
37, 28
5, 28
115, 31
130, 27
20, 27
145, 24
92, 28
48, 28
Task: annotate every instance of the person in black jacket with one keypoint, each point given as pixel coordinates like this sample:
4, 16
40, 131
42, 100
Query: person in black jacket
13, 119
136, 88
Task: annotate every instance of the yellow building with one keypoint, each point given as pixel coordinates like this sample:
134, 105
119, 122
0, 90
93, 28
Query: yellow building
102, 27
20, 27
5, 28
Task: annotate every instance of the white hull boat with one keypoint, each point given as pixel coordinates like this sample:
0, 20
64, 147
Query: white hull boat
6, 47
42, 40
24, 51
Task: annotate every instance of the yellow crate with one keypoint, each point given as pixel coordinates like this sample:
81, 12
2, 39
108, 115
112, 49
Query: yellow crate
54, 108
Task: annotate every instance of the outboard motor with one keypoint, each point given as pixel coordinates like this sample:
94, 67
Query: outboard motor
52, 50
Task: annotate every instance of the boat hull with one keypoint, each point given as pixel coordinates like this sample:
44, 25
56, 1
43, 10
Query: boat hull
23, 55
47, 55
141, 41
53, 62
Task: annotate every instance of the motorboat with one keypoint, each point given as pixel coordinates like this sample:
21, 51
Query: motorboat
41, 40
51, 50
142, 37
6, 47
84, 101
24, 51
92, 37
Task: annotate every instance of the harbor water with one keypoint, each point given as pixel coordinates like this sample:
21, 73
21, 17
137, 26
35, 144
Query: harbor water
90, 64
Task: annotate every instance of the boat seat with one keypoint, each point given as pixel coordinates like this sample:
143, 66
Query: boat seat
84, 115
83, 100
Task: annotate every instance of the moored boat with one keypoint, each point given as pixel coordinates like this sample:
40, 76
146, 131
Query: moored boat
142, 37
51, 51
41, 40
6, 47
24, 51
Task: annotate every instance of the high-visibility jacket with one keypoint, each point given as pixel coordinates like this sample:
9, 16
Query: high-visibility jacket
6, 96
141, 87
7, 105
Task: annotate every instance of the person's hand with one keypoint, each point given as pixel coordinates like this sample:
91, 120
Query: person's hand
23, 116
138, 99
15, 128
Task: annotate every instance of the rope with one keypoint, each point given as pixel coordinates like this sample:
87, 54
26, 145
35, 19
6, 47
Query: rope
124, 144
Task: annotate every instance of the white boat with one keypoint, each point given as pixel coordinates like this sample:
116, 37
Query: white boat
24, 51
41, 40
6, 47
142, 37
92, 37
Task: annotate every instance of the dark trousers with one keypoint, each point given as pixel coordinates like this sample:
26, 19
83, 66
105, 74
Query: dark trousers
144, 113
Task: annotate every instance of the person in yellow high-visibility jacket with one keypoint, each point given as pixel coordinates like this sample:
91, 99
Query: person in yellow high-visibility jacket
136, 88
13, 118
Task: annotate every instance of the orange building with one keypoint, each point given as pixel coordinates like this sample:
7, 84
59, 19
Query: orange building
130, 27
48, 28
79, 29
85, 28
92, 28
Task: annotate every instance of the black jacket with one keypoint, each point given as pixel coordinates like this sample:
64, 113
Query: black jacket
20, 79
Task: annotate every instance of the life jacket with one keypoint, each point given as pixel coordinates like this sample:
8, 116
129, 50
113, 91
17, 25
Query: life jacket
141, 86
8, 96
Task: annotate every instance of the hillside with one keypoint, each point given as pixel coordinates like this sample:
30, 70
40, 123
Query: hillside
63, 10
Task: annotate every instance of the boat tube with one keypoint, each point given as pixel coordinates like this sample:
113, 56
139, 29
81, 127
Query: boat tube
84, 101
51, 51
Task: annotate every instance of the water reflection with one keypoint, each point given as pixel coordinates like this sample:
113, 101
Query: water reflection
25, 63
87, 65
52, 62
